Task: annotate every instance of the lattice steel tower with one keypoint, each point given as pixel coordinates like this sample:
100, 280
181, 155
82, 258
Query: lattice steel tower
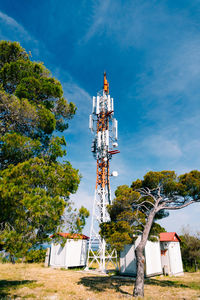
105, 127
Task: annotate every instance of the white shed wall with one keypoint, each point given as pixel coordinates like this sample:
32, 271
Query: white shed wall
57, 255
73, 254
128, 260
76, 253
176, 265
152, 257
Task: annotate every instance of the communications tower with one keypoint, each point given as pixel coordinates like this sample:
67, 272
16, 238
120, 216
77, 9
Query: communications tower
105, 127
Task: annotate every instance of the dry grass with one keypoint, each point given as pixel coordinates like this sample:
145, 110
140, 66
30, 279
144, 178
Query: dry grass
33, 281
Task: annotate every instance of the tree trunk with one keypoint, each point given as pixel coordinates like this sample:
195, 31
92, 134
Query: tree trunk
195, 263
12, 259
139, 284
140, 259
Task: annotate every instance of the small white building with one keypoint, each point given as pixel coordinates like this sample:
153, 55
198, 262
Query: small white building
152, 259
171, 253
161, 257
73, 254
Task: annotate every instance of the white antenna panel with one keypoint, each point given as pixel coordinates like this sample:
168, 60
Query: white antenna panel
112, 104
107, 138
97, 106
108, 103
103, 137
99, 139
93, 105
116, 129
91, 122
113, 125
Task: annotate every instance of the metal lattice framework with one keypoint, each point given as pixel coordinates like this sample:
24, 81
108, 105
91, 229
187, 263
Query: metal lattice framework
105, 127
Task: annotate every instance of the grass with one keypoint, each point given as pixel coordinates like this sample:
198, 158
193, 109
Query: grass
33, 281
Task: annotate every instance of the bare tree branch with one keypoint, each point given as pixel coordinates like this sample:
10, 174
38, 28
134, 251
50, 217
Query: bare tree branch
175, 207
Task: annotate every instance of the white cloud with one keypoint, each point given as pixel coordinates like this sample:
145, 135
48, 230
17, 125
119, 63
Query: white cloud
84, 198
99, 18
132, 23
175, 72
11, 30
77, 95
163, 147
179, 218
7, 20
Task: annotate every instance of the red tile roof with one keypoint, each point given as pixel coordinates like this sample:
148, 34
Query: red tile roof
169, 237
72, 236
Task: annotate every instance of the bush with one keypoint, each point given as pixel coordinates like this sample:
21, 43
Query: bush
36, 256
3, 258
190, 250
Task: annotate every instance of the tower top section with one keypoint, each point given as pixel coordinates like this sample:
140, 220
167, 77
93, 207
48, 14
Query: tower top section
105, 84
104, 125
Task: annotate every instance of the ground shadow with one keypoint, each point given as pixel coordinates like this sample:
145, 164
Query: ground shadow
6, 285
194, 285
166, 283
101, 283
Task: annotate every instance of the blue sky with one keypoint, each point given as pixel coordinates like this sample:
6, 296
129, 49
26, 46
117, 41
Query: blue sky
151, 52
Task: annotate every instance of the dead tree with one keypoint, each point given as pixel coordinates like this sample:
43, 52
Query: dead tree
150, 203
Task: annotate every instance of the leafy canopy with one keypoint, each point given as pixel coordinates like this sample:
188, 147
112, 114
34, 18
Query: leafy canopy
136, 209
31, 102
127, 223
34, 185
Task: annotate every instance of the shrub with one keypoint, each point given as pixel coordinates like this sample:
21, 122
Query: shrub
36, 256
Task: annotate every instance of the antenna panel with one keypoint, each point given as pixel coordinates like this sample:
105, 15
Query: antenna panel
93, 105
112, 104
116, 129
113, 125
91, 122
103, 137
108, 103
97, 106
99, 139
107, 138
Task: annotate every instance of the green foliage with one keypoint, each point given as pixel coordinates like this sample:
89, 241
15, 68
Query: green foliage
35, 256
34, 185
55, 148
190, 184
74, 220
83, 214
30, 83
137, 208
17, 115
3, 258
190, 250
15, 148
10, 52
46, 120
33, 198
123, 228
141, 205
165, 179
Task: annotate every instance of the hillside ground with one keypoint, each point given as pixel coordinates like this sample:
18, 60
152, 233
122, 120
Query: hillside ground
33, 281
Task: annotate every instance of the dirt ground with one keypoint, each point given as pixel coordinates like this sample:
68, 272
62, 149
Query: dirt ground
33, 281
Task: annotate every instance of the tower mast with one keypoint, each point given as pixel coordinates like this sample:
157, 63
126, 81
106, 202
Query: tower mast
105, 127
